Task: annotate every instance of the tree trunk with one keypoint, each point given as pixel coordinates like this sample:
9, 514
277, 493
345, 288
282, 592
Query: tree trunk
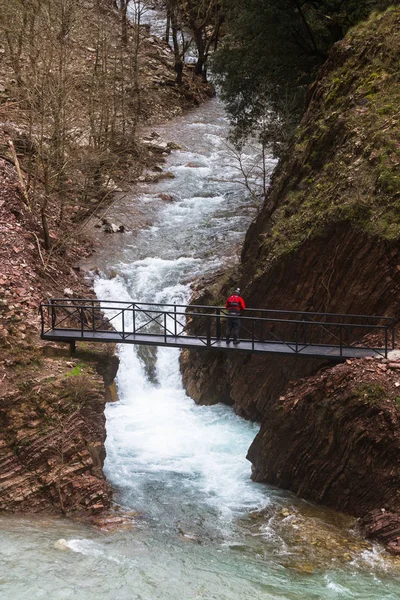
168, 26
45, 227
201, 50
177, 53
124, 21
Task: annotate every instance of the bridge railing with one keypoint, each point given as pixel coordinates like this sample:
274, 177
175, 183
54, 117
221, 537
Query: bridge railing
295, 329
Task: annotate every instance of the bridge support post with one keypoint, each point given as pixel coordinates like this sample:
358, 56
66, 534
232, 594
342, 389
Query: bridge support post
72, 348
218, 323
53, 315
175, 327
386, 342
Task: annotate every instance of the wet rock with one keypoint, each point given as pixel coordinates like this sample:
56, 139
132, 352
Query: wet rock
156, 146
112, 393
385, 526
166, 197
111, 523
111, 228
194, 165
187, 535
61, 544
167, 175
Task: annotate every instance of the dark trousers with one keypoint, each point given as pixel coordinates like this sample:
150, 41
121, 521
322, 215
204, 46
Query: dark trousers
232, 327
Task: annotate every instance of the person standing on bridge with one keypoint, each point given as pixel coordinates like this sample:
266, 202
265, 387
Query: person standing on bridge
234, 305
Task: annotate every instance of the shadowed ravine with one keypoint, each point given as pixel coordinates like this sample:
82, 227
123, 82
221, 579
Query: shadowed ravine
180, 468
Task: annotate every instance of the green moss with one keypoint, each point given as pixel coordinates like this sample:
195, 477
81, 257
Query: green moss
389, 180
77, 371
348, 148
372, 393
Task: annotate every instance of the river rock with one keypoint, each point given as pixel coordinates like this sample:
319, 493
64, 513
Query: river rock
156, 146
194, 165
113, 228
61, 544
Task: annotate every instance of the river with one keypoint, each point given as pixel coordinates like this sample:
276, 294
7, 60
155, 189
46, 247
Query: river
201, 529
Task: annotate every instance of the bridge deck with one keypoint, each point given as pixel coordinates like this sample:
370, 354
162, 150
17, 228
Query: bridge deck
199, 343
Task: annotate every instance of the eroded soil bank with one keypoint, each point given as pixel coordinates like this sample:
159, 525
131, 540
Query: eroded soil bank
51, 405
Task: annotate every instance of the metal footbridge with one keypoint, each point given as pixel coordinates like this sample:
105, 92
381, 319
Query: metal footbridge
310, 334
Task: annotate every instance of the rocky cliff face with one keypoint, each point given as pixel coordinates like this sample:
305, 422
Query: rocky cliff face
52, 439
346, 418
52, 424
327, 239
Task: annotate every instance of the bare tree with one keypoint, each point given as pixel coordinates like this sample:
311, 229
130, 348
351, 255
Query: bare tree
253, 164
81, 102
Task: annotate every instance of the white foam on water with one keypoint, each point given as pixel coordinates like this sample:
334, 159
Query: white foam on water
339, 590
374, 558
157, 428
92, 549
190, 172
152, 276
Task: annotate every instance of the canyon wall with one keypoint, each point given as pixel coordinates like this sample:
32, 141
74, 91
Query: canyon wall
52, 422
326, 239
52, 439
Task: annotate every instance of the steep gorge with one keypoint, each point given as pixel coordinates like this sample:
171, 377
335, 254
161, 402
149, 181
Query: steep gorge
327, 239
52, 422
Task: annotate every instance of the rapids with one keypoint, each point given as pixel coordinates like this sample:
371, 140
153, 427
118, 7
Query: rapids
200, 527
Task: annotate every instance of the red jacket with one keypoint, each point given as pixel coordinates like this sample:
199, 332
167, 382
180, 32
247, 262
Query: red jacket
235, 303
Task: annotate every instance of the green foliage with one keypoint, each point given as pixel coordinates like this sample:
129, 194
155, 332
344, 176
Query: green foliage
271, 53
203, 18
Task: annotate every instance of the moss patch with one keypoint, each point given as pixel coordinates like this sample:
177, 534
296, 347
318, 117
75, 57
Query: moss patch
345, 160
372, 393
76, 371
